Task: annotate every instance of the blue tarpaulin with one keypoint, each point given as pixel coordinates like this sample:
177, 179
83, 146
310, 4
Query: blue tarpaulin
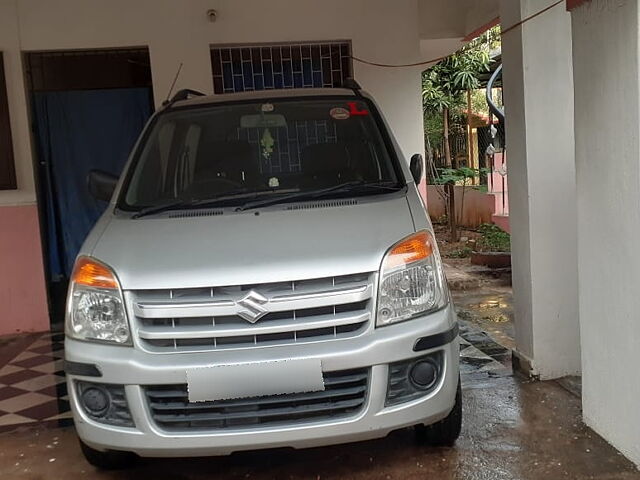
78, 131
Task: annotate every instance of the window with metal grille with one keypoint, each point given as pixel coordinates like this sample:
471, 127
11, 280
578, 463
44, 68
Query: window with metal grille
264, 67
7, 167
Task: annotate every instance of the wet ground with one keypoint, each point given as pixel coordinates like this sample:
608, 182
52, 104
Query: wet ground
513, 428
490, 309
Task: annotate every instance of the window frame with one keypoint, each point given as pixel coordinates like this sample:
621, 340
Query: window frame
8, 179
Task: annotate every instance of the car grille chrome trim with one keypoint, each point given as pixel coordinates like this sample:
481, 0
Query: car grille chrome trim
320, 321
345, 394
276, 303
205, 319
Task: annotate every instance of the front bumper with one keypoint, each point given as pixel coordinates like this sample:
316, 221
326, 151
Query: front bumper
375, 349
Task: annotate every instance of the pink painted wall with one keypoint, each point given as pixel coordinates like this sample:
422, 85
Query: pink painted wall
502, 221
23, 298
478, 206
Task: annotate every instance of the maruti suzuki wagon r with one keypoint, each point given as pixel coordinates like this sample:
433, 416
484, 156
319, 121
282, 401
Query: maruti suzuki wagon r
265, 275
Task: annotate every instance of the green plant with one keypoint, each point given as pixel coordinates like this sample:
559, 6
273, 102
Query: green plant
493, 239
458, 176
463, 252
443, 86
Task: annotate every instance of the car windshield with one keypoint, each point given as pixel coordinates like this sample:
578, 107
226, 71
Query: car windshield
241, 152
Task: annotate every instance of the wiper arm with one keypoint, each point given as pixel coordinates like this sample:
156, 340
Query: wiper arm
191, 203
312, 194
161, 208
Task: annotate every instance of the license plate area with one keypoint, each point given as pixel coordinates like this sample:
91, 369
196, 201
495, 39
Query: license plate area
245, 380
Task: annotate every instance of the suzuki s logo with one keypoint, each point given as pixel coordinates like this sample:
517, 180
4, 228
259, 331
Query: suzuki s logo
250, 306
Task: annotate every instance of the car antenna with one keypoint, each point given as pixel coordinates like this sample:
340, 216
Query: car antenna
175, 79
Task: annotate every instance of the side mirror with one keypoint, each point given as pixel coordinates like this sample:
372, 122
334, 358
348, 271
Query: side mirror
416, 166
101, 185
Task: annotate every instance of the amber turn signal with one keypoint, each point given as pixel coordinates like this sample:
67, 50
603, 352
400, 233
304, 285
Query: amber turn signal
92, 273
416, 247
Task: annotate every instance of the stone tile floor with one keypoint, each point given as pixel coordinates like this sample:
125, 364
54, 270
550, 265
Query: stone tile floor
32, 383
33, 389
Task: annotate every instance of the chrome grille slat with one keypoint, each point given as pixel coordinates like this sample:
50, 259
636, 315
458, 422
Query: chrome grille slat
321, 321
227, 306
345, 394
212, 318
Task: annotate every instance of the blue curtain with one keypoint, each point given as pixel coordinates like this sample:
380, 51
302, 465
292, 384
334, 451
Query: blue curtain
78, 131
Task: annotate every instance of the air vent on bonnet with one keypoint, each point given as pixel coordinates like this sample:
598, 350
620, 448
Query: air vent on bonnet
197, 213
327, 204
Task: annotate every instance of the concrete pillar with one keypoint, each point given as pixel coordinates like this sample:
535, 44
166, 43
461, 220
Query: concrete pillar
538, 95
607, 99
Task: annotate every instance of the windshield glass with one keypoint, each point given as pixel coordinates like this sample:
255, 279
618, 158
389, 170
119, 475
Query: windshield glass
248, 151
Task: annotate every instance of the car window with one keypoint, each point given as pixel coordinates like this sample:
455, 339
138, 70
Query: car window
263, 147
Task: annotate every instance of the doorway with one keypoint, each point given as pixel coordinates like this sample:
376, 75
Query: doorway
88, 108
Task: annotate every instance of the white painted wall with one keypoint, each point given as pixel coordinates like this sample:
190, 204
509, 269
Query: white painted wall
179, 31
538, 97
607, 106
455, 18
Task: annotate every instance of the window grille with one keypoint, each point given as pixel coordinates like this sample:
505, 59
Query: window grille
306, 65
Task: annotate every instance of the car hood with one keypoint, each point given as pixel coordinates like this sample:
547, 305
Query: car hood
272, 245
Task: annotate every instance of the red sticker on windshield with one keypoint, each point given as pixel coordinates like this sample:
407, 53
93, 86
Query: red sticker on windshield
339, 113
355, 111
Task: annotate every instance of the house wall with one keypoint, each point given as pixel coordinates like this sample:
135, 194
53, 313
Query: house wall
607, 115
23, 301
180, 32
477, 209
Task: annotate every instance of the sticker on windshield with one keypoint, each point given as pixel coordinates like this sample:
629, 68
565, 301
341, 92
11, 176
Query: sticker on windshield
267, 107
339, 113
274, 182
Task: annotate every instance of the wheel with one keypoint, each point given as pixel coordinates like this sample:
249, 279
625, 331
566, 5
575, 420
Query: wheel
109, 460
445, 432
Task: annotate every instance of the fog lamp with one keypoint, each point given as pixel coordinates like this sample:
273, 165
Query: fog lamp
96, 401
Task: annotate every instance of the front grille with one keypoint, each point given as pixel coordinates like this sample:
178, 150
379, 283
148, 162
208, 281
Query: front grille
215, 318
344, 395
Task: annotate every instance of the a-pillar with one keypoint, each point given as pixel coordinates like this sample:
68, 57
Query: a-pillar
538, 96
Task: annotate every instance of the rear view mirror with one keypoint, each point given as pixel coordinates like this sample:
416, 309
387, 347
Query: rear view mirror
101, 185
416, 166
263, 121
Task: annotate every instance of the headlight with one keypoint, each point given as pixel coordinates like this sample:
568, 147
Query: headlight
411, 280
95, 307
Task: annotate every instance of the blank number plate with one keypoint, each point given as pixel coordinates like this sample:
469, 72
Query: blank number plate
225, 382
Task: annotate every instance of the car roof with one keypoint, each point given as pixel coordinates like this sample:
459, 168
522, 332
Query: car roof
264, 95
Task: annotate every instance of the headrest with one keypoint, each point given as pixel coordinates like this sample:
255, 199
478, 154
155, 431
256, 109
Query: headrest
230, 157
324, 158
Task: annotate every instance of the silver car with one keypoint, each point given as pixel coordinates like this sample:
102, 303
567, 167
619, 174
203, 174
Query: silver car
265, 275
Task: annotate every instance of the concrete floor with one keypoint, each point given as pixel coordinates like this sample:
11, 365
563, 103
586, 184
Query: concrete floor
513, 429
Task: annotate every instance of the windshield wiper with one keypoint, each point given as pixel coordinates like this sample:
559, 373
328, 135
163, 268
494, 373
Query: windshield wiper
194, 203
347, 187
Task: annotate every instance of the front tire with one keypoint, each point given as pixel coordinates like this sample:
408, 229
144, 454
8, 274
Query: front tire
109, 460
445, 432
